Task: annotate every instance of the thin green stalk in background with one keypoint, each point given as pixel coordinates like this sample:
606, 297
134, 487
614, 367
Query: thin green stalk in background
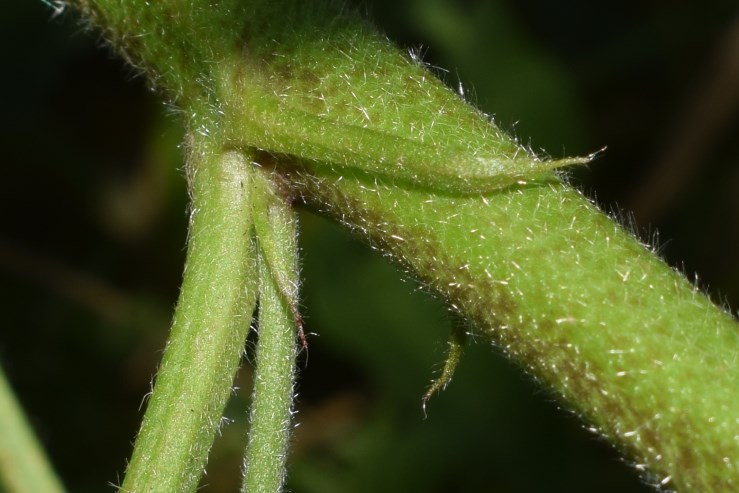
24, 468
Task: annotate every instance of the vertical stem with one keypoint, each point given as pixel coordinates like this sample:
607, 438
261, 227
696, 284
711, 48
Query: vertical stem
276, 228
23, 466
210, 326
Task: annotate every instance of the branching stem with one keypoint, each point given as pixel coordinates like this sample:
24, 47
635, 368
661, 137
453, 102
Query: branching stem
373, 139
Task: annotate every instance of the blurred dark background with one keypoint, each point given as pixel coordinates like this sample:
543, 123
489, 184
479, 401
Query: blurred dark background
92, 237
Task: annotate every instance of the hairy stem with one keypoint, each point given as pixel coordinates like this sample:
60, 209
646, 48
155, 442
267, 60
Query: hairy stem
370, 137
631, 345
211, 322
276, 226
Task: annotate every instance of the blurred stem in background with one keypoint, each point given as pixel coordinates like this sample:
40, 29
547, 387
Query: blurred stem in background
24, 467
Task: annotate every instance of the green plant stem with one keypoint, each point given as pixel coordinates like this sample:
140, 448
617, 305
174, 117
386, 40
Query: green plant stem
625, 340
24, 468
210, 325
561, 288
276, 226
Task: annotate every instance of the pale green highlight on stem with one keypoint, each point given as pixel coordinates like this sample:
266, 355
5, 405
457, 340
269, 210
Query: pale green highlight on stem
276, 228
211, 322
23, 466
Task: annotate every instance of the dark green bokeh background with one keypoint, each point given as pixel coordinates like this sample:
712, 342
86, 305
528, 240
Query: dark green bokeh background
92, 236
